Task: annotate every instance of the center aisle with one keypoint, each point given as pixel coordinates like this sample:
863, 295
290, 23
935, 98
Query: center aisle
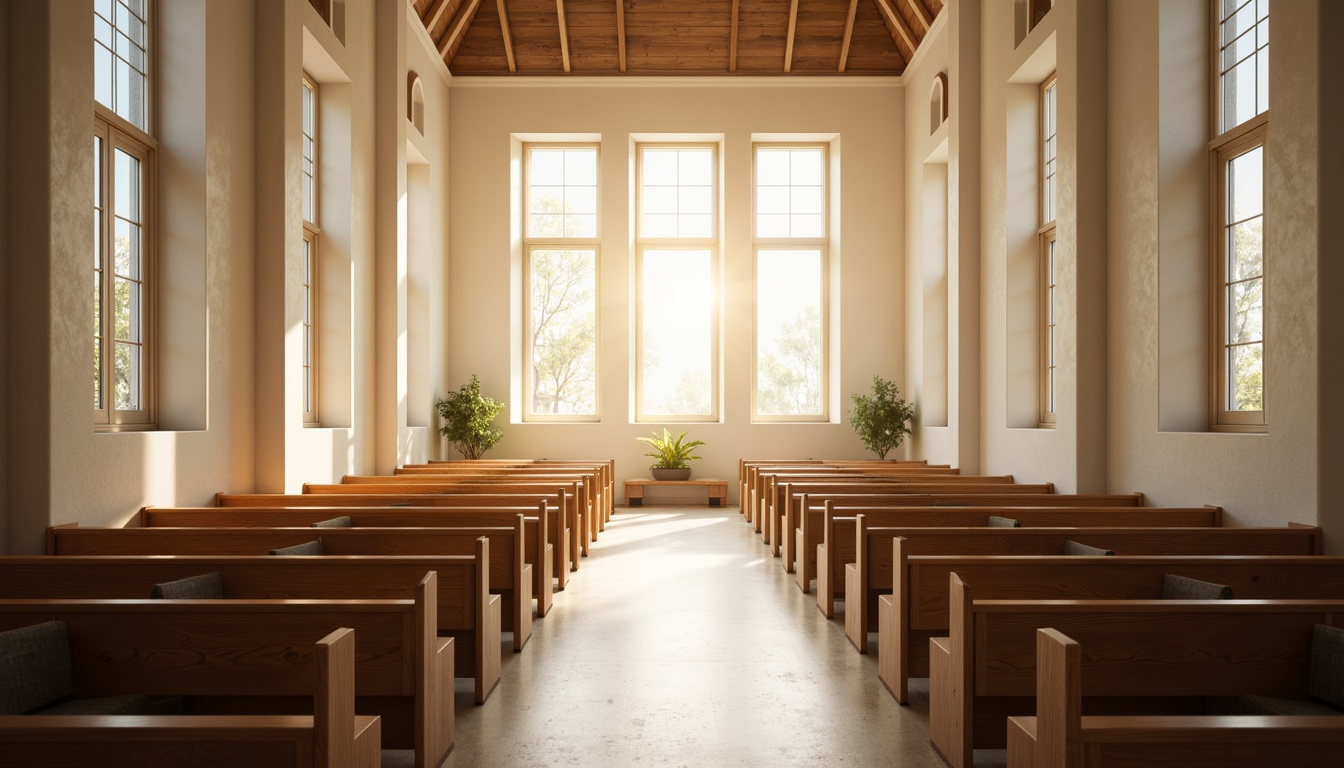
681, 641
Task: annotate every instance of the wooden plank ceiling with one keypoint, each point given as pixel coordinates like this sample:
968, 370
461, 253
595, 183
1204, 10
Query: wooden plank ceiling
677, 37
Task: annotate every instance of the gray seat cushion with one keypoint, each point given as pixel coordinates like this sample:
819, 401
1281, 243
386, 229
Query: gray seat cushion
343, 521
1074, 548
1183, 588
34, 667
1003, 522
1327, 665
207, 586
306, 548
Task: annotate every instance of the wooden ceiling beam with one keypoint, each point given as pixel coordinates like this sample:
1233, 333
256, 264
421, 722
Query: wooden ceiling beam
896, 24
452, 39
564, 33
732, 39
435, 14
849, 34
922, 14
508, 38
620, 30
793, 27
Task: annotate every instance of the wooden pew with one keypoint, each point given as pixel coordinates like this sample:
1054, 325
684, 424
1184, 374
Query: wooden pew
603, 476
539, 551
231, 656
1059, 735
873, 553
583, 485
566, 495
510, 576
809, 540
917, 607
561, 521
1139, 658
770, 525
464, 609
751, 474
332, 737
805, 515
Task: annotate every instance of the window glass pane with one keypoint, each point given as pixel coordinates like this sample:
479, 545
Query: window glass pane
126, 249
1245, 185
790, 181
563, 327
1246, 250
127, 373
677, 295
127, 175
121, 61
308, 164
1245, 378
1243, 61
789, 364
1245, 317
562, 192
677, 183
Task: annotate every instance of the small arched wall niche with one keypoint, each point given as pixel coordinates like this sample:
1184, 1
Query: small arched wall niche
937, 102
415, 102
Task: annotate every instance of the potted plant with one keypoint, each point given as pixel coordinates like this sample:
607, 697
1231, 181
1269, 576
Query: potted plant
882, 419
467, 418
672, 454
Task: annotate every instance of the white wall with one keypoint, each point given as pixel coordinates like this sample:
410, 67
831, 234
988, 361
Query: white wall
485, 276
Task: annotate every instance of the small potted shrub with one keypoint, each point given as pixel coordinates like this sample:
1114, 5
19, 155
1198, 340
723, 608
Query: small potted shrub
467, 418
883, 418
672, 454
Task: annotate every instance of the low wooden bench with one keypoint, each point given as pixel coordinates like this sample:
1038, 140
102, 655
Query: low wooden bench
560, 518
1059, 734
717, 489
874, 553
1139, 658
917, 607
463, 610
243, 656
510, 576
538, 552
809, 539
332, 737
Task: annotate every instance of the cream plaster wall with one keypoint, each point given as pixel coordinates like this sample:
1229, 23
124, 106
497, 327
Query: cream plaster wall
68, 473
1267, 479
485, 275
1073, 454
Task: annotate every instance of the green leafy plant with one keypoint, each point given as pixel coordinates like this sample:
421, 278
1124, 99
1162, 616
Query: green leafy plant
882, 419
671, 452
467, 418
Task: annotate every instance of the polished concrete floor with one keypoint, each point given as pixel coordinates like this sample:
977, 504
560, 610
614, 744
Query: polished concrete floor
682, 642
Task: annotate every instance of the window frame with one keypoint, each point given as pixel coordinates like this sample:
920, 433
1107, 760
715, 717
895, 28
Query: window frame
818, 243
119, 133
1225, 145
709, 243
1249, 136
531, 244
1047, 268
310, 355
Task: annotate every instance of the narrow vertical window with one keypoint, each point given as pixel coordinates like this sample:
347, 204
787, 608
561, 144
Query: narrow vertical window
561, 243
311, 235
1238, 271
1048, 265
790, 255
123, 155
677, 366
